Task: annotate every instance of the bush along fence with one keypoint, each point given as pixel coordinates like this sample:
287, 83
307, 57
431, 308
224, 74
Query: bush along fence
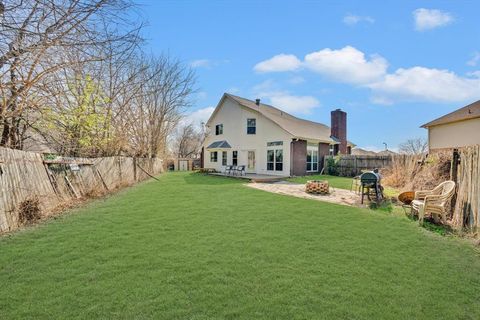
32, 185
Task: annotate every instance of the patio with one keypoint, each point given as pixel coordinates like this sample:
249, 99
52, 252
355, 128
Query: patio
253, 177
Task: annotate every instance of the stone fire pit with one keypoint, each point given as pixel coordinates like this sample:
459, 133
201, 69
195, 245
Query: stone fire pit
317, 187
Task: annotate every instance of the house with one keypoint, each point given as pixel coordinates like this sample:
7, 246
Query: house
268, 140
457, 129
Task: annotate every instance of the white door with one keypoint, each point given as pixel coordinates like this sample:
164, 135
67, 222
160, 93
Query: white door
183, 165
251, 161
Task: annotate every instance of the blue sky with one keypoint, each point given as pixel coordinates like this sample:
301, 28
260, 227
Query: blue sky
391, 67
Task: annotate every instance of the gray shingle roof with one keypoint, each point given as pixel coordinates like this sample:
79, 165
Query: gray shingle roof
223, 144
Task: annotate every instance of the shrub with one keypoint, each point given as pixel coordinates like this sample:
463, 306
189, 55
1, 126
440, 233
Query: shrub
332, 166
29, 211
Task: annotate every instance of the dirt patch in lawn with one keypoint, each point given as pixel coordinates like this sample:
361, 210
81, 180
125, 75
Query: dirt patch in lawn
339, 196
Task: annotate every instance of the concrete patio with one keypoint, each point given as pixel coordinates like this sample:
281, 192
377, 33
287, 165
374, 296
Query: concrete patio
253, 177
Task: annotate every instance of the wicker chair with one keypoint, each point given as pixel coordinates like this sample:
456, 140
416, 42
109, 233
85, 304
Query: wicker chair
433, 201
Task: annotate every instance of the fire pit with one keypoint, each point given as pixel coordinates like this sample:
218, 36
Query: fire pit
317, 187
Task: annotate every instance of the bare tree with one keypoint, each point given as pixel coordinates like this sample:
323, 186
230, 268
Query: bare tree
188, 141
156, 110
36, 38
414, 146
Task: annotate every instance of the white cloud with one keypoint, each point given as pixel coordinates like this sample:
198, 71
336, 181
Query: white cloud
420, 83
201, 63
291, 103
475, 58
296, 80
279, 63
347, 65
233, 90
427, 19
207, 63
198, 116
352, 19
350, 65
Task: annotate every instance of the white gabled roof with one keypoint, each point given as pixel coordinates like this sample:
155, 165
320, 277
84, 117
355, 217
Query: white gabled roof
299, 128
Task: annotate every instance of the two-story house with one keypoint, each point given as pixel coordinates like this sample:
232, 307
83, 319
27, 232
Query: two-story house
268, 140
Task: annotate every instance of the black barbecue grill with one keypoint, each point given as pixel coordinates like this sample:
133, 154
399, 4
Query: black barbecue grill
370, 183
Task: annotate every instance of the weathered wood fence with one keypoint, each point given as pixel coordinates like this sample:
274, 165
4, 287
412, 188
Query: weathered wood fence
467, 205
24, 175
352, 165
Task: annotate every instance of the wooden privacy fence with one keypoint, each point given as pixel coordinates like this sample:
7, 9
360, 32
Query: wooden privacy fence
466, 213
24, 175
352, 165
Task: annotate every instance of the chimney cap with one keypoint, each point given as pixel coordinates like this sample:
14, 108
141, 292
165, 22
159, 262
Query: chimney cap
257, 102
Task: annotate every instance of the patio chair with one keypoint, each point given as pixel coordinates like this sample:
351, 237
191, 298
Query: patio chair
433, 201
228, 169
356, 185
241, 170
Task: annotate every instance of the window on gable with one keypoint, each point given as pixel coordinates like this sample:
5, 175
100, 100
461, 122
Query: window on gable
251, 126
218, 129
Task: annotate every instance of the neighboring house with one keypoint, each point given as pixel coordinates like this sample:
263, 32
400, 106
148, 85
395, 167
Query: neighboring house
457, 129
268, 140
387, 153
362, 152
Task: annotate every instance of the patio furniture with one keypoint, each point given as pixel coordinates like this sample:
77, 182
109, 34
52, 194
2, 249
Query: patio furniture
433, 201
406, 199
356, 185
317, 187
241, 170
228, 169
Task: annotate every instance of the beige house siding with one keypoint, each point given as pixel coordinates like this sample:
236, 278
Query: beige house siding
455, 134
234, 119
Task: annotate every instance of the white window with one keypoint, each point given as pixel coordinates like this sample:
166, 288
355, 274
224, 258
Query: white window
213, 156
312, 158
275, 160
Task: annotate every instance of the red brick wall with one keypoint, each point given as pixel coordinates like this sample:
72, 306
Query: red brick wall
323, 150
339, 129
299, 158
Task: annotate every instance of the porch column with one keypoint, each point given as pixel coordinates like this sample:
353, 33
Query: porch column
298, 166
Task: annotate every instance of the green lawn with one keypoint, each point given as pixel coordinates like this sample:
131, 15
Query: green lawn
339, 182
198, 247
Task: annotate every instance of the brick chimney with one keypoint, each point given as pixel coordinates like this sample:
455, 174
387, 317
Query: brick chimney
339, 129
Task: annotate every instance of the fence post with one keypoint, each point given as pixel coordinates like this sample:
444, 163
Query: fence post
454, 177
134, 168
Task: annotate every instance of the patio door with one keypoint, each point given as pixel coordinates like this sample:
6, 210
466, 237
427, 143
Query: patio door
251, 161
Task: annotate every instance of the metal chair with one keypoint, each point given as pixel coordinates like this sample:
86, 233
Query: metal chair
241, 169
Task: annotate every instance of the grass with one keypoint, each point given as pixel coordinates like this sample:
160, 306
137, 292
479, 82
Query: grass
197, 247
339, 182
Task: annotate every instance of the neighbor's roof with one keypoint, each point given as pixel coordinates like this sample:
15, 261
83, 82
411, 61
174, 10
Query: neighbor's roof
297, 127
362, 152
469, 112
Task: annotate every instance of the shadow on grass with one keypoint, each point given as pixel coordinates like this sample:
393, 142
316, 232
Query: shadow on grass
205, 179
